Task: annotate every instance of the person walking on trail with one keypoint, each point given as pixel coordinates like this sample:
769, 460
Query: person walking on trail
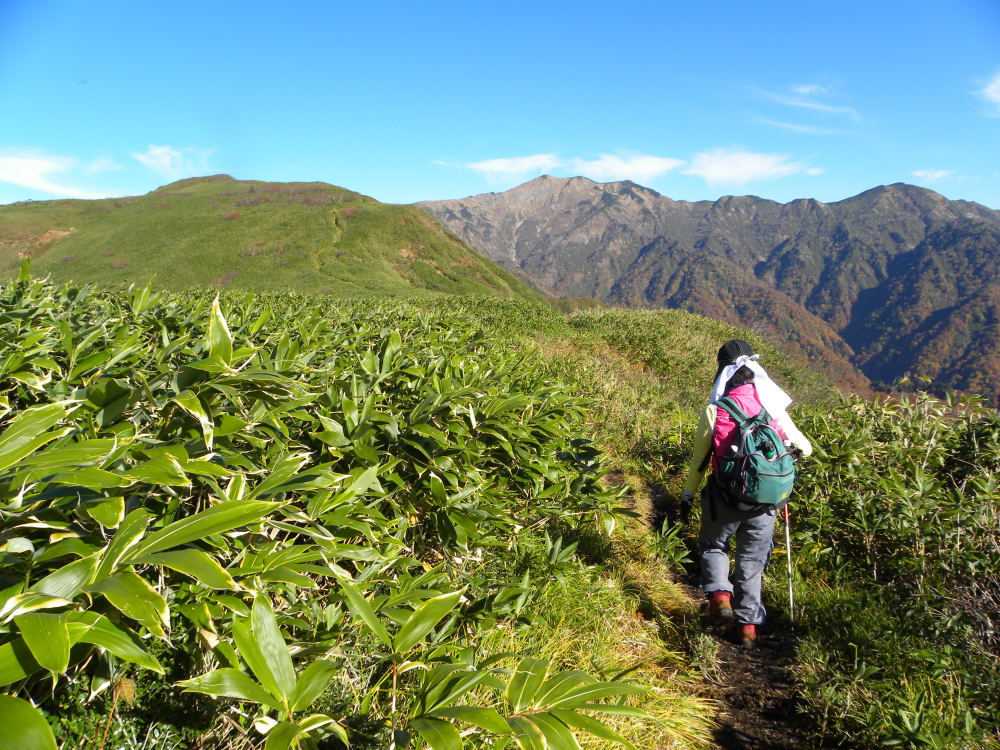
740, 381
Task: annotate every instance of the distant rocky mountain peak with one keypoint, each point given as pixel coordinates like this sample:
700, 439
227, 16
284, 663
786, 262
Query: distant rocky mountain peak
896, 280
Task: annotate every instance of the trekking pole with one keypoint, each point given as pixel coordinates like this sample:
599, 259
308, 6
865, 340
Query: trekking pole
788, 550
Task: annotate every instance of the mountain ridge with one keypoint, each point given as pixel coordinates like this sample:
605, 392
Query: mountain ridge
224, 232
809, 272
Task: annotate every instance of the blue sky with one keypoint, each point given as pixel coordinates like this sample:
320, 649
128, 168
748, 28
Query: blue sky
411, 101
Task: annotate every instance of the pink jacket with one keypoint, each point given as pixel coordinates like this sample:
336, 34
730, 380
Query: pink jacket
723, 433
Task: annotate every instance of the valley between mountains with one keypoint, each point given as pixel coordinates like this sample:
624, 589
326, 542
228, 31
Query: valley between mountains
897, 281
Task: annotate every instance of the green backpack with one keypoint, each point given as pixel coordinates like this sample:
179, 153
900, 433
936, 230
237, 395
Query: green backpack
757, 470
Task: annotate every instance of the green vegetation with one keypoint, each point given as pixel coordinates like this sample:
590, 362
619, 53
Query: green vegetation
897, 540
895, 528
241, 234
345, 522
284, 519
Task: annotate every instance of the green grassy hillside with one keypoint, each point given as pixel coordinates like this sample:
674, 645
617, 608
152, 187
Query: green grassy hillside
427, 522
218, 231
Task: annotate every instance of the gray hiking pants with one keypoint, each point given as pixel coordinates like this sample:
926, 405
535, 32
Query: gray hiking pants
752, 530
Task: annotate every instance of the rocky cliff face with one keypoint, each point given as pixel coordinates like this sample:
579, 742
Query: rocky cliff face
897, 280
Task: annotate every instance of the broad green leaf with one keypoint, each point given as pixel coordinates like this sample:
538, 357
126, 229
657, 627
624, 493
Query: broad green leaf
311, 683
130, 531
75, 456
361, 609
230, 683
560, 685
557, 735
24, 727
142, 300
198, 613
164, 469
484, 718
107, 511
109, 394
524, 683
17, 545
190, 403
134, 597
273, 648
68, 547
333, 434
220, 340
67, 581
320, 504
527, 734
437, 491
229, 425
29, 431
594, 691
30, 601
104, 633
282, 736
192, 562
318, 721
251, 653
590, 725
47, 637
207, 469
446, 683
423, 620
219, 518
440, 735
284, 574
92, 478
281, 471
16, 662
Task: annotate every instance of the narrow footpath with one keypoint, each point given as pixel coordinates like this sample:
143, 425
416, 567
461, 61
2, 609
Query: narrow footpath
761, 707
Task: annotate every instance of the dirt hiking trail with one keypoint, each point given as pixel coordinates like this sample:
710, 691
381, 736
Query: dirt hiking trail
761, 708
760, 705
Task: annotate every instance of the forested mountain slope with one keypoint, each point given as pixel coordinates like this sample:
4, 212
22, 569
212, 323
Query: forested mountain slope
897, 280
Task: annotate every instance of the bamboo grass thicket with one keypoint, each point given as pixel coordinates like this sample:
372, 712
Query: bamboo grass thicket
286, 507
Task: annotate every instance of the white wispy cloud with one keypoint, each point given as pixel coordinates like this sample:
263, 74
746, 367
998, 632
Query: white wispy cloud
517, 166
933, 175
42, 172
991, 94
800, 128
104, 164
734, 166
606, 167
175, 163
637, 167
811, 89
802, 102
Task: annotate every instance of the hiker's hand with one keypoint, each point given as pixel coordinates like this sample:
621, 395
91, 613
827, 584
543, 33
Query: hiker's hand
687, 500
795, 450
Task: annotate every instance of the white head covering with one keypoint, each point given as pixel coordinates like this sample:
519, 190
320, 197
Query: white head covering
771, 397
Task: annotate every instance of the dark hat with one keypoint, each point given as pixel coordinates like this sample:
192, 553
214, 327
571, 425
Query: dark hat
731, 350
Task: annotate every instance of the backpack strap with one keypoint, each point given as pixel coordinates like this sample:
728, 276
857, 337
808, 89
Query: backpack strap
730, 407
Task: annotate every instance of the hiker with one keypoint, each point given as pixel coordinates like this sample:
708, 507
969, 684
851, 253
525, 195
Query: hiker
742, 381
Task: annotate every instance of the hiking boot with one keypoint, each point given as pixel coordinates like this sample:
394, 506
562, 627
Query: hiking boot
746, 634
720, 609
